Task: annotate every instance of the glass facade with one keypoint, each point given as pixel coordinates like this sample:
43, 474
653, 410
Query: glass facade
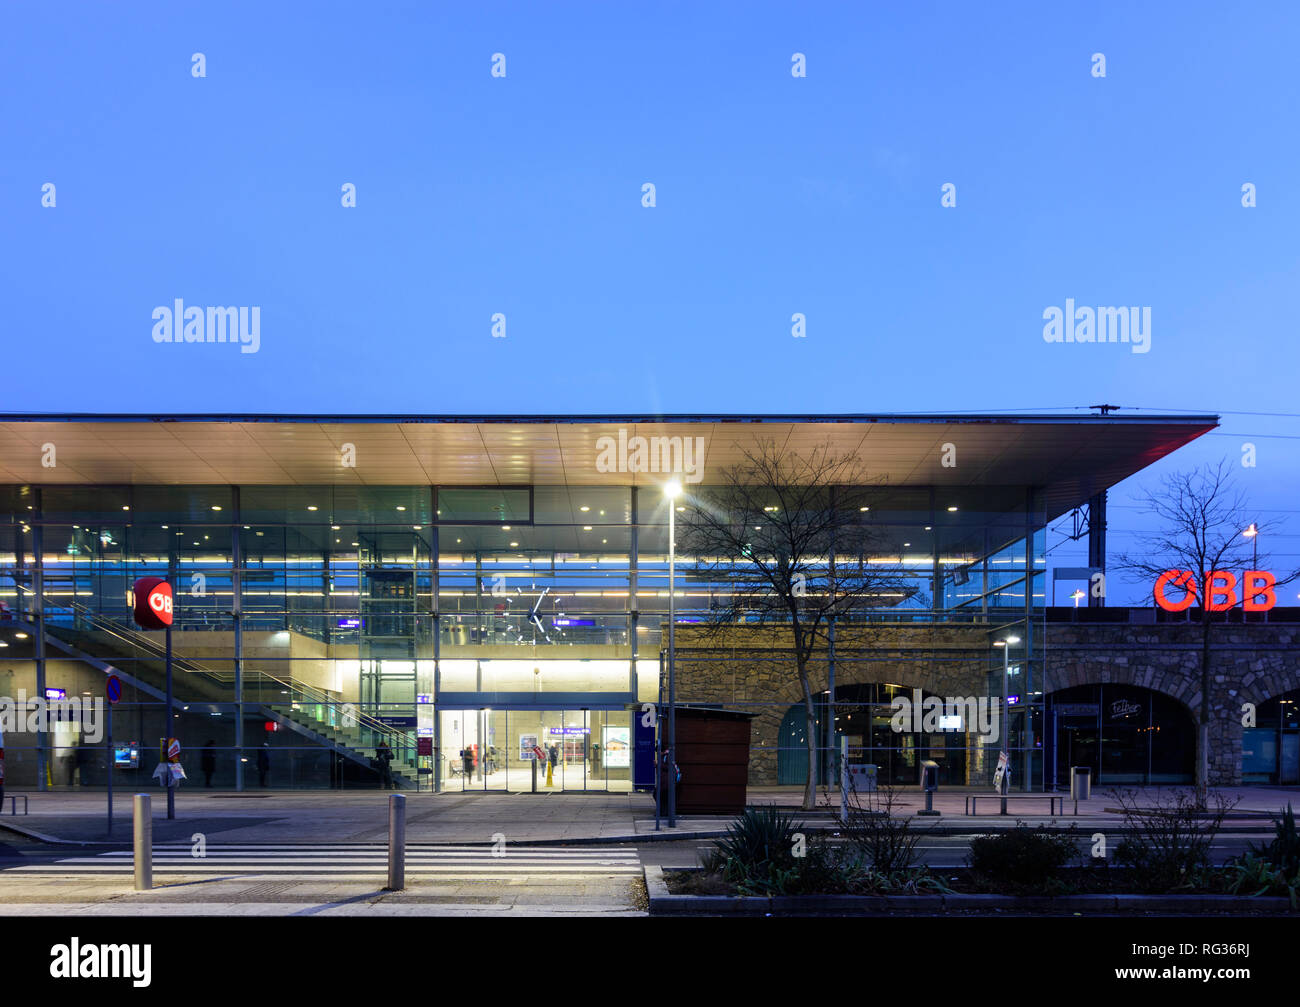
451, 624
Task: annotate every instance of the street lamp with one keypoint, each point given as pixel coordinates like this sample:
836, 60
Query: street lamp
672, 491
1006, 714
1252, 533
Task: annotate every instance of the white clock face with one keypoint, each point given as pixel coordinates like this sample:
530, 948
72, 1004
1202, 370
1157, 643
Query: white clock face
534, 612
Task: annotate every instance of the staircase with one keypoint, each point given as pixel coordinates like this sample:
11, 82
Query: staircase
309, 712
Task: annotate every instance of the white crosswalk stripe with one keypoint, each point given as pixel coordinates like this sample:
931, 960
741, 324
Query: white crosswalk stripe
343, 861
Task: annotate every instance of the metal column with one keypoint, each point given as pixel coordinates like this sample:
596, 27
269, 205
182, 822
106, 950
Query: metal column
236, 614
38, 610
1097, 543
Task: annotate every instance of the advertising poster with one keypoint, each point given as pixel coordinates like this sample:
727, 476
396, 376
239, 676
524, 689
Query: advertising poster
618, 747
527, 742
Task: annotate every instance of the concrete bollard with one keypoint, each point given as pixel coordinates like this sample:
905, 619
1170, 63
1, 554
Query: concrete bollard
396, 842
143, 832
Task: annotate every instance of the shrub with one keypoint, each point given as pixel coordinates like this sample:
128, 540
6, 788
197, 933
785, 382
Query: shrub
1168, 842
1252, 875
875, 833
759, 836
1022, 858
1284, 851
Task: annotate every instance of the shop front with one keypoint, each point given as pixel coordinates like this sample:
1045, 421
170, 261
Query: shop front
547, 749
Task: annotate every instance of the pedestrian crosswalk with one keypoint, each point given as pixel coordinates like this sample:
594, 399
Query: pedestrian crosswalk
343, 862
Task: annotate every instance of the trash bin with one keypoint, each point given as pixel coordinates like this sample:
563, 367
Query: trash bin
1080, 782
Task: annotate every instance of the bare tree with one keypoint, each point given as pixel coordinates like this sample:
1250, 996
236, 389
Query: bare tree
786, 538
1202, 515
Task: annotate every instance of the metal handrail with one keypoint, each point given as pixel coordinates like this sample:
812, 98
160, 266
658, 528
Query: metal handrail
310, 693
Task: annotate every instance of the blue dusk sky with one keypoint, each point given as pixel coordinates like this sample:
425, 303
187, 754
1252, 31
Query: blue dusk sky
522, 195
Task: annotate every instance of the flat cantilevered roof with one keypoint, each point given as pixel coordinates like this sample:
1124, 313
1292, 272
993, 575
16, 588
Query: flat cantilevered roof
1070, 457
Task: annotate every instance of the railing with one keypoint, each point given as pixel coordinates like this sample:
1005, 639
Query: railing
298, 692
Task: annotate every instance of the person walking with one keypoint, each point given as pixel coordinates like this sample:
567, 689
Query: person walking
263, 763
554, 760
384, 756
208, 761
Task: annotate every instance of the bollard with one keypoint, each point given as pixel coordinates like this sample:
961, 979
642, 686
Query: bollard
143, 843
534, 765
396, 843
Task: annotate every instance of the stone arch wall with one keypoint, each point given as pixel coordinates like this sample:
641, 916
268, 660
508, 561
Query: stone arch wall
1248, 664
752, 668
754, 671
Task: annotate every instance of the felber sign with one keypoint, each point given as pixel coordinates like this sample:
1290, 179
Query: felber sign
153, 603
1220, 590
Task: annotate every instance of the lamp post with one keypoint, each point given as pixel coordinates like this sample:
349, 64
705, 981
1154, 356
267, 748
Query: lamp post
1252, 533
672, 491
1006, 713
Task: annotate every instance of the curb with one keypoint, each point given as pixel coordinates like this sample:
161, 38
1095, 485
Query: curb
43, 838
663, 903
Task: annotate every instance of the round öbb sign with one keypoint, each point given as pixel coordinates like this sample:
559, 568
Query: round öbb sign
153, 603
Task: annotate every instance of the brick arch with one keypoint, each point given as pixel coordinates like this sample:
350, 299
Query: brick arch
1263, 686
1182, 689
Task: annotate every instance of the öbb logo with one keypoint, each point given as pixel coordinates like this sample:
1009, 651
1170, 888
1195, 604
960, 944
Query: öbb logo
152, 601
1257, 594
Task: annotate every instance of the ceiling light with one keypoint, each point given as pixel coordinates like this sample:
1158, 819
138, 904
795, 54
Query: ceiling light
864, 508
584, 508
334, 527
216, 506
952, 510
401, 507
311, 507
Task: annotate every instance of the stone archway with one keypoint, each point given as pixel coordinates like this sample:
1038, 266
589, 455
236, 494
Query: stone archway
1126, 734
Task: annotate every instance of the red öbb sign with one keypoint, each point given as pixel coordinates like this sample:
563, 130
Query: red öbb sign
1257, 594
153, 603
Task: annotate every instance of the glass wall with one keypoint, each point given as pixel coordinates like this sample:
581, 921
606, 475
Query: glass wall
315, 625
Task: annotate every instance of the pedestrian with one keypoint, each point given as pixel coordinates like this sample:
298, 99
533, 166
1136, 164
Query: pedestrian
554, 760
467, 761
208, 761
384, 756
263, 763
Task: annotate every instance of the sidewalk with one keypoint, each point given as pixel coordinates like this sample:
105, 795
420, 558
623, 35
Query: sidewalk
331, 817
361, 816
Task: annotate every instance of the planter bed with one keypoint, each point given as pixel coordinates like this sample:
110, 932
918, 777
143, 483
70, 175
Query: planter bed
664, 903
